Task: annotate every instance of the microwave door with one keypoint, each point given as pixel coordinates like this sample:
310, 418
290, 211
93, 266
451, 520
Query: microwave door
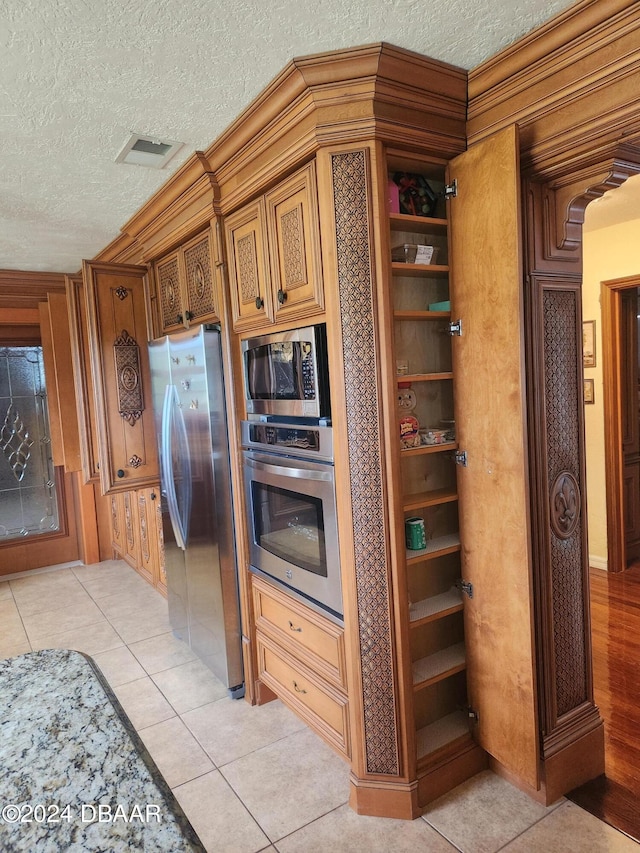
176, 466
260, 374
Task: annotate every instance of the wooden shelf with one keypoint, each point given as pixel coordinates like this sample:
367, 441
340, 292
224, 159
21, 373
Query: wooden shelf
422, 315
435, 607
438, 666
437, 547
416, 224
441, 733
429, 448
426, 270
425, 377
435, 497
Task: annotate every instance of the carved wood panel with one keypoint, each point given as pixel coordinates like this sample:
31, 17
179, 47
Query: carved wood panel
201, 301
169, 292
351, 206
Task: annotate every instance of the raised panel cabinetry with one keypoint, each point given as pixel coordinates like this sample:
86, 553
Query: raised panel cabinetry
185, 285
136, 533
273, 244
118, 334
301, 658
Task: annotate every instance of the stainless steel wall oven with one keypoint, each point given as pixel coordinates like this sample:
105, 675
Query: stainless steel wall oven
291, 509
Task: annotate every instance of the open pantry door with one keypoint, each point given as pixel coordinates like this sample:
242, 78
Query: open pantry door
491, 427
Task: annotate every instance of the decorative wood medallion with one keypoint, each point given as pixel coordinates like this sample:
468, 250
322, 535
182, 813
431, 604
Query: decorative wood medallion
561, 344
128, 372
564, 502
351, 207
144, 528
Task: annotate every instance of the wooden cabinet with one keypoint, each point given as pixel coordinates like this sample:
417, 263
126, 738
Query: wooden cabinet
185, 285
273, 245
301, 658
136, 533
118, 334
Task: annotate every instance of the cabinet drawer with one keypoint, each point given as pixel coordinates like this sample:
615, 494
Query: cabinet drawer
306, 634
320, 705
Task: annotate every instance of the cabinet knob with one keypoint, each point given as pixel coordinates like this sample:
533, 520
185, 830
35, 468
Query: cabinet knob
292, 627
282, 296
259, 302
180, 318
188, 315
120, 473
298, 689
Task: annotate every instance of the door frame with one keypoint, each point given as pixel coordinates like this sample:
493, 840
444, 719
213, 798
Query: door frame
611, 303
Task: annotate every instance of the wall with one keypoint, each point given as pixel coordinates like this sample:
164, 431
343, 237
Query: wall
608, 252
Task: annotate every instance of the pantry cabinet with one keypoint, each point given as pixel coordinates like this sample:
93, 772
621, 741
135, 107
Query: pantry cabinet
136, 533
273, 247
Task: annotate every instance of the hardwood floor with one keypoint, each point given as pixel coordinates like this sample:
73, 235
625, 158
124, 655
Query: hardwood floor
615, 615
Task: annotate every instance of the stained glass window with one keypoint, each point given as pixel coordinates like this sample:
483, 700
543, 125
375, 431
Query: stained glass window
28, 500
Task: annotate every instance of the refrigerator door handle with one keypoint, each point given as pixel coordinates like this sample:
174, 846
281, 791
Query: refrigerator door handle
170, 406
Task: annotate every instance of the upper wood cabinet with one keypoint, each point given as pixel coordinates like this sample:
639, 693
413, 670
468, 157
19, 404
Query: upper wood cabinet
118, 334
273, 244
185, 285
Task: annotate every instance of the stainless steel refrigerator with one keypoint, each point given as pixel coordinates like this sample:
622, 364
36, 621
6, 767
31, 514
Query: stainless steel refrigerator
202, 583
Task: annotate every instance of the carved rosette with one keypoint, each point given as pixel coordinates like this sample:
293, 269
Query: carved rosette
351, 206
129, 377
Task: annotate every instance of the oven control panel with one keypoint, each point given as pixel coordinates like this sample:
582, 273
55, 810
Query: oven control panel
290, 439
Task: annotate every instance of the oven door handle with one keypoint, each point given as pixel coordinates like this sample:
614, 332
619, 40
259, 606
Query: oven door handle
286, 471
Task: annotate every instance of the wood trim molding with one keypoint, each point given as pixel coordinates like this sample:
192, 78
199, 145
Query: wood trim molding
21, 289
571, 85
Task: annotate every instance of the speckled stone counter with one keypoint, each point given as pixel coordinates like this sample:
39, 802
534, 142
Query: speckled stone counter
74, 775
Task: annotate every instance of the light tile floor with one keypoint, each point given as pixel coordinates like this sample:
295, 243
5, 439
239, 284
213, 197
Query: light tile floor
257, 779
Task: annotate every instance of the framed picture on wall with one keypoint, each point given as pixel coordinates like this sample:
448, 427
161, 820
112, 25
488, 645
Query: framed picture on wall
589, 343
589, 394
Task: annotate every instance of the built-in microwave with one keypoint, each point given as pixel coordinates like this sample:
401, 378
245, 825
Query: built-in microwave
287, 374
291, 510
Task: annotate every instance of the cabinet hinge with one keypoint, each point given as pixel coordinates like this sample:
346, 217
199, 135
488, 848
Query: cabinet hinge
473, 715
451, 190
460, 458
455, 328
465, 586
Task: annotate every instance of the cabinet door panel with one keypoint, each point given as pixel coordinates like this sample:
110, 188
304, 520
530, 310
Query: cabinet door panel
199, 281
249, 275
167, 275
294, 244
491, 427
116, 317
83, 380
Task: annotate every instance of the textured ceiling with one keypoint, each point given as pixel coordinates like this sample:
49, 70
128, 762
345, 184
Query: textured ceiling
77, 76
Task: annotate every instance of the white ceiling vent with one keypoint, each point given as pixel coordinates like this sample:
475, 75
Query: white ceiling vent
142, 150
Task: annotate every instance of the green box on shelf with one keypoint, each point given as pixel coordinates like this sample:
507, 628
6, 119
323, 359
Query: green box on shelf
440, 306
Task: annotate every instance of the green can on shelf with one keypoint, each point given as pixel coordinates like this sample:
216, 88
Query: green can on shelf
414, 533
440, 306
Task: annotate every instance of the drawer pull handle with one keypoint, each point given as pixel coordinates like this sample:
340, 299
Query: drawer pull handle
293, 628
298, 689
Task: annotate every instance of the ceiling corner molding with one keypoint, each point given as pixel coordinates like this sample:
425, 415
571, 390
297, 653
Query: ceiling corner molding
572, 85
